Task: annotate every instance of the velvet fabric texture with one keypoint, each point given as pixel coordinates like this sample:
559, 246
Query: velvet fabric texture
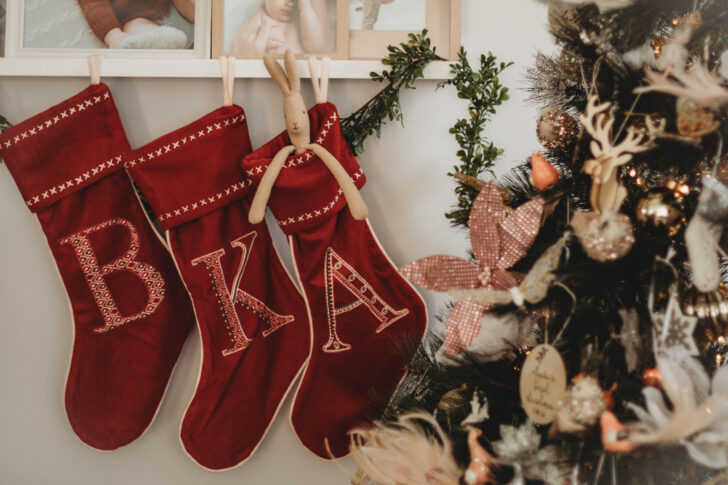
252, 318
131, 312
361, 309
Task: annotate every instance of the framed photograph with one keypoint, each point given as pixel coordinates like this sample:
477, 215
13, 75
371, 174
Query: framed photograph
375, 24
248, 29
132, 28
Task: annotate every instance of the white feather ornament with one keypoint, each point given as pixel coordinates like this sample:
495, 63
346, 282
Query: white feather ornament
404, 453
696, 417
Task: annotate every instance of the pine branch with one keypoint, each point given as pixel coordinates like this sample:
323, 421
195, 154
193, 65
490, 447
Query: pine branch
477, 155
407, 61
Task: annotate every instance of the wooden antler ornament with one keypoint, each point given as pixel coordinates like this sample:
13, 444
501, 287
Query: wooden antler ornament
607, 193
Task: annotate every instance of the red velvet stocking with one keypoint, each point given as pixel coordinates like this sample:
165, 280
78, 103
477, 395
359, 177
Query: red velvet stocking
361, 309
252, 318
130, 309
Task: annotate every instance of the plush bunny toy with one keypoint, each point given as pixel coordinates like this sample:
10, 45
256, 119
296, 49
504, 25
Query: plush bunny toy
360, 308
299, 132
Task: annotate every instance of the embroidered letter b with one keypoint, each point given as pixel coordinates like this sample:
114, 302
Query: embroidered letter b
95, 274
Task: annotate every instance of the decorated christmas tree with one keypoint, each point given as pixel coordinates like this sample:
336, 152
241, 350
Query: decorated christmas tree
585, 341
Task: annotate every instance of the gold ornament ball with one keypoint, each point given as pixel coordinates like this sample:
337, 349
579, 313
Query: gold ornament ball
711, 309
660, 210
556, 130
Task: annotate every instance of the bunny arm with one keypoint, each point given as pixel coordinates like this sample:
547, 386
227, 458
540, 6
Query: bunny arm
353, 198
257, 208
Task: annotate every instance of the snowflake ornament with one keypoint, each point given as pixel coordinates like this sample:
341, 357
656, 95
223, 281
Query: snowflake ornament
674, 329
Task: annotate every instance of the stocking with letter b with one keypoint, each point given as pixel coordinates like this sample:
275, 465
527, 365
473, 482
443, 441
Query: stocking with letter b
130, 309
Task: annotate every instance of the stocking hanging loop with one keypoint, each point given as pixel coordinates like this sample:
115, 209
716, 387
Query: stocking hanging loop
320, 84
227, 69
94, 68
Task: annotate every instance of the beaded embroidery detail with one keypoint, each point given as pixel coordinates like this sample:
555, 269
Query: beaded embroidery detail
339, 271
226, 301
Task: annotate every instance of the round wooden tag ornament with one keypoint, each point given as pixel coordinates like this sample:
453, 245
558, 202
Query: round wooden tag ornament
543, 383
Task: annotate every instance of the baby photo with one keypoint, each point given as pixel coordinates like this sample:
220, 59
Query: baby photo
258, 27
114, 24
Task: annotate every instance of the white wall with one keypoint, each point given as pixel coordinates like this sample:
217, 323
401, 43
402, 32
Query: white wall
407, 194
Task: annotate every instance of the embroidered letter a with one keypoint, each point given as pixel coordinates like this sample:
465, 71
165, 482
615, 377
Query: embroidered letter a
227, 298
95, 274
339, 271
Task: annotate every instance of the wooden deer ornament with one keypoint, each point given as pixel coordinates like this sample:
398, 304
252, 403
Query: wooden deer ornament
607, 194
299, 133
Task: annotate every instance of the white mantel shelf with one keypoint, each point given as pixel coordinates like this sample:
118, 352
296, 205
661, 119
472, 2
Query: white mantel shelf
186, 68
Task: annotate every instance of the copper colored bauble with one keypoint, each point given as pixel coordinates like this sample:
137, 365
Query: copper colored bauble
543, 174
660, 209
556, 130
652, 378
604, 239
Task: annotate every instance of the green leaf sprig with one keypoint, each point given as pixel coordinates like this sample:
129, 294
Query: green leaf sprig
407, 63
477, 155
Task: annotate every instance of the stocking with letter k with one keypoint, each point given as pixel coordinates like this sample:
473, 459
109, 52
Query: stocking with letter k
251, 317
130, 309
361, 309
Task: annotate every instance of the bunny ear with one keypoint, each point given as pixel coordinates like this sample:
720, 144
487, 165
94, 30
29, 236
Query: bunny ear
292, 69
320, 85
276, 72
313, 71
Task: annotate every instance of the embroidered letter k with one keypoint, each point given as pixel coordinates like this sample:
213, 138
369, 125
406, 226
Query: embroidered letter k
228, 298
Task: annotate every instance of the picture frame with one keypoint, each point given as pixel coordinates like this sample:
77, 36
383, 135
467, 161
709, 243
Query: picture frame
443, 20
16, 40
222, 32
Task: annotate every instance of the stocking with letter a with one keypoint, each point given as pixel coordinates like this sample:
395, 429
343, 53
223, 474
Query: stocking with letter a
252, 318
130, 309
361, 309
